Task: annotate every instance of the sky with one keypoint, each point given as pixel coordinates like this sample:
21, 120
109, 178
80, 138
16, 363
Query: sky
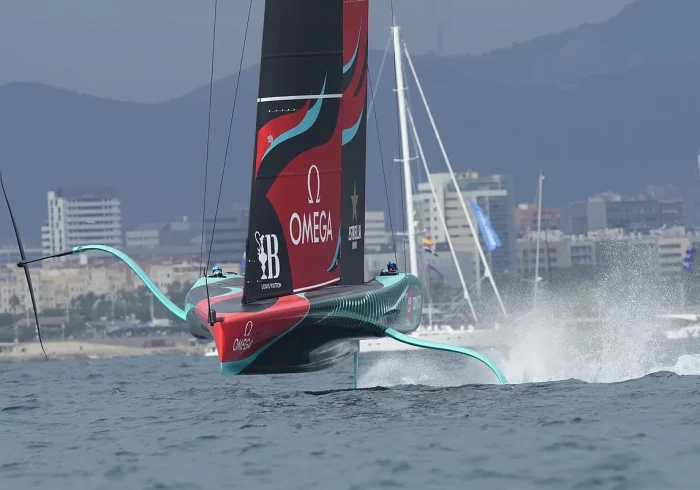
154, 50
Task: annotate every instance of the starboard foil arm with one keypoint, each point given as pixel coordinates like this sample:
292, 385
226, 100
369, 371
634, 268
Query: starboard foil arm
406, 339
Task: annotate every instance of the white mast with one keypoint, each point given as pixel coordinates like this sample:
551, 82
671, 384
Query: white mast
400, 89
441, 216
537, 239
487, 268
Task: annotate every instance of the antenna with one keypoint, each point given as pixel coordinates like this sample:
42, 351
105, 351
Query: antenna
537, 239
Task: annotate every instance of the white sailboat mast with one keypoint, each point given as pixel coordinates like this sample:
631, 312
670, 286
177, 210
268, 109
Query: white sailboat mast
408, 191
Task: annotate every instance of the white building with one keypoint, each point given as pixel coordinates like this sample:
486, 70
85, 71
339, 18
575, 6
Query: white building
491, 192
81, 218
662, 251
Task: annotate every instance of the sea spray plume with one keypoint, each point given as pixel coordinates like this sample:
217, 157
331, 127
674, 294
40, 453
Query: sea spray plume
626, 293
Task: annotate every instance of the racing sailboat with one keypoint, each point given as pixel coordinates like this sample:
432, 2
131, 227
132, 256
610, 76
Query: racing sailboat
302, 304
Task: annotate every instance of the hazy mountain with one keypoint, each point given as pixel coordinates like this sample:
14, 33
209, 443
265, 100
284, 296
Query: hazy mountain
619, 118
154, 50
647, 32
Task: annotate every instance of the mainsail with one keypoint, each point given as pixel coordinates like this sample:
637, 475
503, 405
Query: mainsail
295, 207
354, 116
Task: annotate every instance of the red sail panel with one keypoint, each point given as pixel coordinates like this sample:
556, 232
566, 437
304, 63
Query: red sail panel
354, 121
295, 202
306, 196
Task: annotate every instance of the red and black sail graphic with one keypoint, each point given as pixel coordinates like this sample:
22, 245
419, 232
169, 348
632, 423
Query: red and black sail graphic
354, 122
295, 209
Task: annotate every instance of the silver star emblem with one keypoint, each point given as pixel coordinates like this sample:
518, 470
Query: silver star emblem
355, 197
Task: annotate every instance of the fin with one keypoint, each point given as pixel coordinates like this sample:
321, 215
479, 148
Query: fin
356, 362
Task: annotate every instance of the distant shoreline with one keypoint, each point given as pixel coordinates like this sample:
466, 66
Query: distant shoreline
90, 349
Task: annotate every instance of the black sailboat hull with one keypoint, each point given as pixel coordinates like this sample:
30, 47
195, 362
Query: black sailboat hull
302, 332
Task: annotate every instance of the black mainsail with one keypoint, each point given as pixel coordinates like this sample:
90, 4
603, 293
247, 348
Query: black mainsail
295, 207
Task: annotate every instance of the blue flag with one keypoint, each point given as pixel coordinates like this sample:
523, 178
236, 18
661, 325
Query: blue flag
243, 263
689, 259
490, 237
432, 268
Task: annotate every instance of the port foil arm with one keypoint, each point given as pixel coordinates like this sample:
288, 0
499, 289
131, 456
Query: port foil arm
164, 300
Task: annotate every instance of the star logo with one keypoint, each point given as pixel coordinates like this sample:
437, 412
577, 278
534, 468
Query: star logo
355, 198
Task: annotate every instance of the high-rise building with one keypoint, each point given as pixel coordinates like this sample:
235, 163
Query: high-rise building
526, 218
638, 215
171, 238
230, 236
493, 193
376, 235
80, 218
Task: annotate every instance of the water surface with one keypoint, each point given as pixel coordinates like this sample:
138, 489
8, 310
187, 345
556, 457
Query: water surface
175, 422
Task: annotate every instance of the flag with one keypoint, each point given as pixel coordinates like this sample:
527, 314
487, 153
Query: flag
432, 268
490, 237
689, 259
428, 245
243, 263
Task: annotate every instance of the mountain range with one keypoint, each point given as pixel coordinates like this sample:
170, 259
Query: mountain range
598, 107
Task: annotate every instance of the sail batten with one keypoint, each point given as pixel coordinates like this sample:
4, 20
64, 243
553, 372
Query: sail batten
299, 97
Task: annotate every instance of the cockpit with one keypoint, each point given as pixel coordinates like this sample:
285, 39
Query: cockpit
391, 269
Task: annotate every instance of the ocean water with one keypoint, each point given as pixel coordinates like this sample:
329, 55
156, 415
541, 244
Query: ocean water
416, 422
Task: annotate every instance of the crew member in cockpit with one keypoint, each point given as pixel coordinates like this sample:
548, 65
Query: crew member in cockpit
217, 272
391, 269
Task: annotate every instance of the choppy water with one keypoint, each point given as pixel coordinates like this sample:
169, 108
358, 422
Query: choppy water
174, 422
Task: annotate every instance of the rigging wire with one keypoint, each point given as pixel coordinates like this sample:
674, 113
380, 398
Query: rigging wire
381, 158
381, 70
206, 161
211, 316
230, 126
